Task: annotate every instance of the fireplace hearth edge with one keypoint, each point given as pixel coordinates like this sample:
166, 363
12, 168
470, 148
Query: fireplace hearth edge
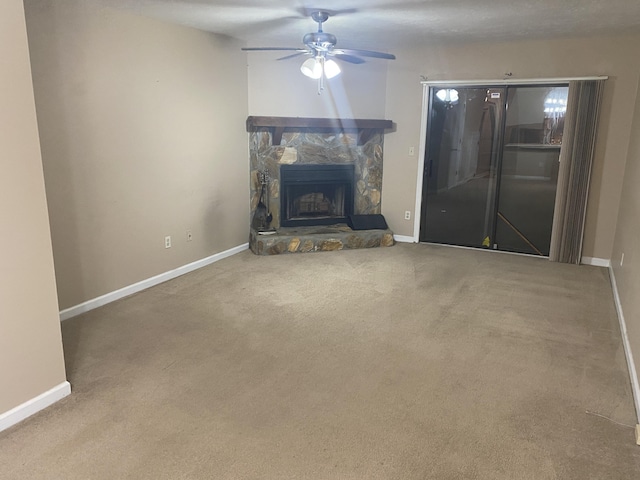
317, 239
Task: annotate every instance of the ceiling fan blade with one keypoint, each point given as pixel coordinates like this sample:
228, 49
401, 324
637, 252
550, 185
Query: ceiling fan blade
347, 58
256, 27
306, 12
266, 49
365, 53
301, 52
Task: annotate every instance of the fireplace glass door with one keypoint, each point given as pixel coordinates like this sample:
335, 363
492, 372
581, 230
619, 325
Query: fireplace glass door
316, 194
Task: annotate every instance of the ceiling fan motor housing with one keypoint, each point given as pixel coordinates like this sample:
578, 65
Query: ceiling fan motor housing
320, 40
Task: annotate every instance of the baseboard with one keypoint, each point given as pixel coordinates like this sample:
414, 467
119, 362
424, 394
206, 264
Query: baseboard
149, 282
30, 407
403, 239
596, 262
635, 385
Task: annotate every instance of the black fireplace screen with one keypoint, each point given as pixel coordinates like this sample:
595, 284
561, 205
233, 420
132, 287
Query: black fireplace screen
315, 194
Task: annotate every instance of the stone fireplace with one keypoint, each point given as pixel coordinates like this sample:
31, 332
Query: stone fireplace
311, 174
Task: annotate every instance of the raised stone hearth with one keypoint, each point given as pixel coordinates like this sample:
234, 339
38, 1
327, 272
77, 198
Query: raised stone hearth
279, 141
317, 239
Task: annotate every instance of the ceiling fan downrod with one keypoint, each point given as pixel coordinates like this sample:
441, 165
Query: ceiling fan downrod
320, 17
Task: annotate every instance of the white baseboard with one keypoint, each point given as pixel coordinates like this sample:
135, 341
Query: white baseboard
403, 239
596, 262
30, 407
149, 282
635, 384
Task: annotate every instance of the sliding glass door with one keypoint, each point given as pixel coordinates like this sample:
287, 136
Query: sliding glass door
491, 166
458, 204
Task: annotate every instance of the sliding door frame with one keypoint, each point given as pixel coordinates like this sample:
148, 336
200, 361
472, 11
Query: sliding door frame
424, 123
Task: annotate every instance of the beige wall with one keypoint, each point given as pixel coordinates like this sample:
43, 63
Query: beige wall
627, 239
141, 140
613, 56
142, 126
30, 344
142, 130
277, 88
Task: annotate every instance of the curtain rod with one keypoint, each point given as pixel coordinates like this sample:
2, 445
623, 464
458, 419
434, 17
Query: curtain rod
511, 81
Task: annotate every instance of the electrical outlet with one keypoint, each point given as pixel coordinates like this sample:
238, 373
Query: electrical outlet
189, 236
412, 151
407, 215
167, 241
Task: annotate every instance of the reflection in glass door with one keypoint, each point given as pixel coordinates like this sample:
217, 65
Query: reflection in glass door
490, 177
460, 166
529, 168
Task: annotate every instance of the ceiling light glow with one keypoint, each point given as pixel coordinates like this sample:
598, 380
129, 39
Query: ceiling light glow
312, 68
448, 95
331, 68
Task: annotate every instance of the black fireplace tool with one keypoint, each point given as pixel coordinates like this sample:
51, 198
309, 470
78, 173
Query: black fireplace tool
261, 217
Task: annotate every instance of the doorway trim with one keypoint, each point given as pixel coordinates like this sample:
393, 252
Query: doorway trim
424, 122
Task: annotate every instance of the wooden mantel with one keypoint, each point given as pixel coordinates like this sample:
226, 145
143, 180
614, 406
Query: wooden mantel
278, 125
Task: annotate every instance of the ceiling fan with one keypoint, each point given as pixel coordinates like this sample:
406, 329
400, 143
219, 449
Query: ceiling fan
320, 46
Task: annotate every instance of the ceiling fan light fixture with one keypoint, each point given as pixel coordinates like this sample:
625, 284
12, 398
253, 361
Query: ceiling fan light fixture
321, 45
312, 68
331, 68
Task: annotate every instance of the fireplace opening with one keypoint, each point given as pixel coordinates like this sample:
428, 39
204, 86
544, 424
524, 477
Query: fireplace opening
315, 194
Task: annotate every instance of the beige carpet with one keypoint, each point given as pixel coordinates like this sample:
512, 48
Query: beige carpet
410, 362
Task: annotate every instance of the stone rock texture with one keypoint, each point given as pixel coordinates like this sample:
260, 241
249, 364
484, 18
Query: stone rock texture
317, 239
317, 148
302, 147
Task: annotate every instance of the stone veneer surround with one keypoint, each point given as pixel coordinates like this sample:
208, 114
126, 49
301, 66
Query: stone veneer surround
317, 145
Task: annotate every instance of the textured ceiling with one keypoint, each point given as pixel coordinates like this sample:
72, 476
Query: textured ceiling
385, 25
